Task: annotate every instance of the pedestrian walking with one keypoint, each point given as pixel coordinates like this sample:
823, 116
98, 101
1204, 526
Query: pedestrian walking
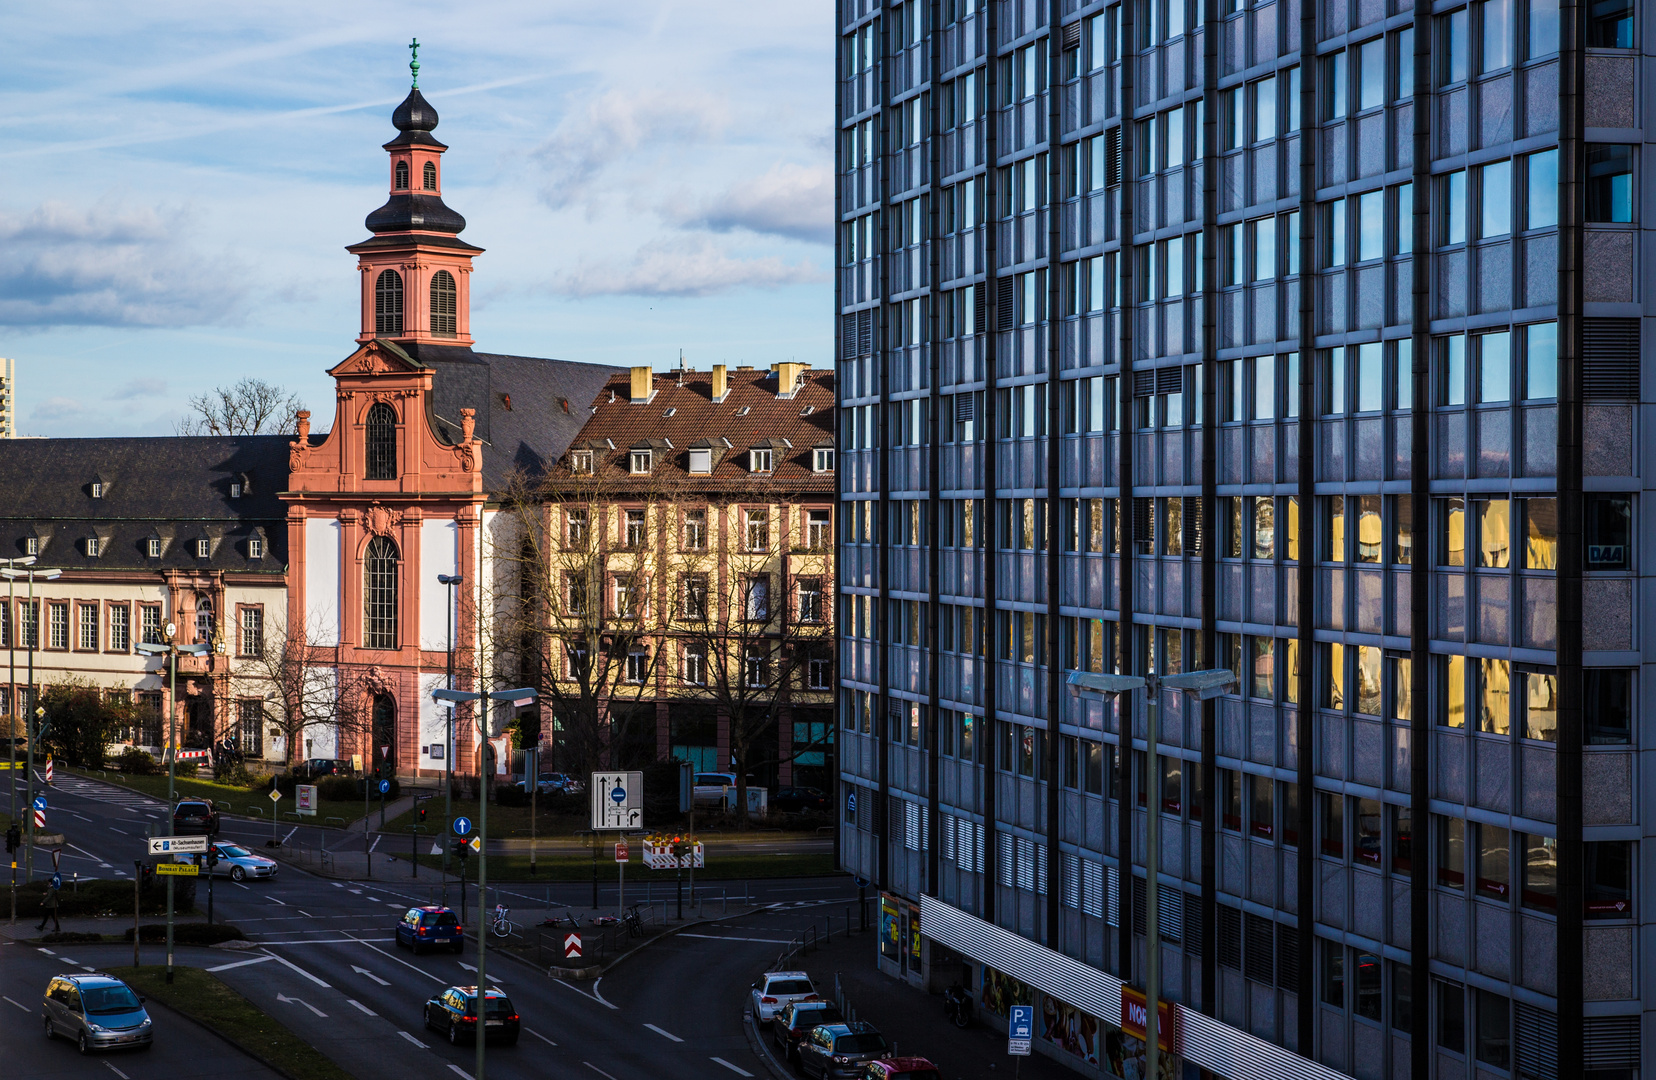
49, 909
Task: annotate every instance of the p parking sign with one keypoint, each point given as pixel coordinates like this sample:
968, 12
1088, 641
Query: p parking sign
1020, 1029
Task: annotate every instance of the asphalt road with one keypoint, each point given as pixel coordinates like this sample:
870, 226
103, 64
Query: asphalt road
326, 965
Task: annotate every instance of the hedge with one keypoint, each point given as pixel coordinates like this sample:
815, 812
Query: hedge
107, 898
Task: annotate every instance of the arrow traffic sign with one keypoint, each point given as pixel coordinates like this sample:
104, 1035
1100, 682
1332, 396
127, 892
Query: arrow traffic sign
384, 786
462, 826
178, 845
57, 881
40, 802
617, 800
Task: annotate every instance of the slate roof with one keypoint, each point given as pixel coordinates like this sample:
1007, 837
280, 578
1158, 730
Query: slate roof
175, 488
806, 420
528, 432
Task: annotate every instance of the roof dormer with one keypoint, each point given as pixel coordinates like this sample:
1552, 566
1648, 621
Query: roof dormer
99, 485
705, 455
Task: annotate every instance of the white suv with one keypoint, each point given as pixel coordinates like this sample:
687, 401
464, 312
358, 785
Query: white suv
776, 990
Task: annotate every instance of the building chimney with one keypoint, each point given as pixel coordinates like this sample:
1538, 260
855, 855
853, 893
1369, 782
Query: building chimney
787, 377
721, 387
643, 384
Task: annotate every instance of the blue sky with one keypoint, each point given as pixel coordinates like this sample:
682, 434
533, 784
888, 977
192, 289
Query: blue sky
181, 180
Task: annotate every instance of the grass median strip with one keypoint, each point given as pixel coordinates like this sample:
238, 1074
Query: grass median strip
207, 1000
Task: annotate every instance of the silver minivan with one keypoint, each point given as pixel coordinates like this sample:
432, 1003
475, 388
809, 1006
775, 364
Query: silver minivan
96, 1012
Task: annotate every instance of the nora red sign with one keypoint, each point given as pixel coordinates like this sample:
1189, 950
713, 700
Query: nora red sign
1135, 1013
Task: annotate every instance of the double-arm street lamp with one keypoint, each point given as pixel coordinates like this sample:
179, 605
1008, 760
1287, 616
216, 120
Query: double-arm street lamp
171, 650
449, 580
31, 718
1201, 685
519, 698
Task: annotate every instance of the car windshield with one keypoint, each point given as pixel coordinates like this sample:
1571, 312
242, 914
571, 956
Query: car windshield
232, 851
191, 809
812, 1015
790, 986
445, 919
499, 1007
871, 1042
100, 1000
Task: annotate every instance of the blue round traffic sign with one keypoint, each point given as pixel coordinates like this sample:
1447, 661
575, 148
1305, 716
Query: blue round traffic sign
462, 826
618, 795
40, 802
385, 785
57, 881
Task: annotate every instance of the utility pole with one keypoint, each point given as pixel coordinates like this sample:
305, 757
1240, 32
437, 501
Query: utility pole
449, 581
31, 718
13, 706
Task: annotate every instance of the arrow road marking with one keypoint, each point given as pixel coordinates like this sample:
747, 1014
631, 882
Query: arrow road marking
361, 1006
370, 974
413, 1040
664, 1034
733, 1068
300, 1001
473, 970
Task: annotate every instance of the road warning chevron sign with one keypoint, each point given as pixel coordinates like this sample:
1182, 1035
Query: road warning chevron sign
572, 946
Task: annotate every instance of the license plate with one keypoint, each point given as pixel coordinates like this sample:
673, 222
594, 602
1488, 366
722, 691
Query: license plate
495, 1023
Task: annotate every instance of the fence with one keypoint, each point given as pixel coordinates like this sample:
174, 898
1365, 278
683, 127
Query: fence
600, 942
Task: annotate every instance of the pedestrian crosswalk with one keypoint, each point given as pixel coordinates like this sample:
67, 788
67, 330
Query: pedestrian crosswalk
79, 786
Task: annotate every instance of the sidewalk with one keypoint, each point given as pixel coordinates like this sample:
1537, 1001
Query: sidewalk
914, 1020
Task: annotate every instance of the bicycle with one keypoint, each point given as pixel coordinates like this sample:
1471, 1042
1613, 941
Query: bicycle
502, 926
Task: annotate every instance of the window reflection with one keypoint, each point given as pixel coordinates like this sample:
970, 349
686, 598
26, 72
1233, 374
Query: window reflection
1494, 532
1494, 696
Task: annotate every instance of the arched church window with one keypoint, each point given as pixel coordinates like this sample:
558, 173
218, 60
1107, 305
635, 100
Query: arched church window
380, 442
430, 172
402, 176
442, 303
388, 303
379, 595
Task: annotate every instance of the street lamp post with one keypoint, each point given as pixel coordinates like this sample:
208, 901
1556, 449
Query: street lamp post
1202, 685
450, 580
13, 710
519, 698
32, 718
171, 650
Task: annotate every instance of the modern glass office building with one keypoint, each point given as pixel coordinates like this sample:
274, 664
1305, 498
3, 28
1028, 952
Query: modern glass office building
1300, 339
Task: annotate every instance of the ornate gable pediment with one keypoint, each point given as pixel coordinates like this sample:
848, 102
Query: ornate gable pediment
377, 358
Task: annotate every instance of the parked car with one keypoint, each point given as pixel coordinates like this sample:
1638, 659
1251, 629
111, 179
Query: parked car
421, 928
550, 783
841, 1051
776, 990
799, 800
454, 1012
710, 786
235, 862
321, 766
793, 1022
96, 1012
901, 1068
195, 817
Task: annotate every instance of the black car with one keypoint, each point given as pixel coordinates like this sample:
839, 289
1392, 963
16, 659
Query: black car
318, 767
836, 1051
195, 817
454, 1011
799, 800
793, 1022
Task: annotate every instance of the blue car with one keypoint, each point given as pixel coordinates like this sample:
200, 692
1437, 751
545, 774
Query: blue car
422, 928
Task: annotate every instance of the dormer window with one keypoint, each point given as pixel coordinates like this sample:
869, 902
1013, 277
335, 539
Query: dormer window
701, 461
822, 459
401, 183
759, 461
235, 490
744, 410
31, 545
203, 548
92, 545
640, 462
429, 176
580, 461
255, 548
152, 547
97, 489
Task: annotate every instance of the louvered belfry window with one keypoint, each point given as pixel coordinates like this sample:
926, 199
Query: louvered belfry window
429, 176
402, 176
388, 303
380, 443
442, 304
379, 595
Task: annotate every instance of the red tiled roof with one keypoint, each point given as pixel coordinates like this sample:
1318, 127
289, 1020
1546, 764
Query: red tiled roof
805, 420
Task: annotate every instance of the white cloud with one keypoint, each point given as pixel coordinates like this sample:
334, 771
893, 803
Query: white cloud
109, 266
138, 388
794, 201
57, 408
612, 128
682, 266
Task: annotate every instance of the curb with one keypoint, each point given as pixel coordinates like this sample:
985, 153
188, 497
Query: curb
761, 1050
249, 1051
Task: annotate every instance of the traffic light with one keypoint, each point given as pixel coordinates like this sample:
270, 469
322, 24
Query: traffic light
461, 849
14, 838
422, 815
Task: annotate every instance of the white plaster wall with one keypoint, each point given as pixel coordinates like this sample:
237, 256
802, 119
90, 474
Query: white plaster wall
433, 723
439, 554
321, 732
322, 581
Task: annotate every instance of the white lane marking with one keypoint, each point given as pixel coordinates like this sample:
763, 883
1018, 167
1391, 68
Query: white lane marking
541, 1037
239, 885
356, 891
361, 1006
327, 941
242, 963
288, 963
762, 940
301, 1001
66, 960
571, 988
20, 1005
370, 974
468, 1075
597, 1070
48, 952
396, 905
413, 1040
599, 996
375, 845
372, 899
400, 960
123, 832
733, 1068
664, 1034
303, 912
118, 1072
273, 900
468, 967
289, 836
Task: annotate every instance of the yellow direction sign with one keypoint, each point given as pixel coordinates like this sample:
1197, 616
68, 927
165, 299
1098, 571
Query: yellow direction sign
180, 869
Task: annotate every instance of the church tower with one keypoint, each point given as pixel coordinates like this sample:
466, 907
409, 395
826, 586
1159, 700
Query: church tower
416, 271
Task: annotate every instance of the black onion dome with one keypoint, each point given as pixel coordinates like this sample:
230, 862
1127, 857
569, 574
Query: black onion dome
416, 119
405, 212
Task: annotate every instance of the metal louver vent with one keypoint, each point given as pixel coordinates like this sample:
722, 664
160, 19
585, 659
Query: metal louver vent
1142, 518
865, 331
1230, 938
1170, 380
1006, 306
1170, 909
1193, 923
1144, 383
1610, 359
1611, 1042
848, 336
1139, 906
1112, 156
1256, 953
1193, 530
965, 408
980, 308
1072, 35
1535, 1043
1288, 957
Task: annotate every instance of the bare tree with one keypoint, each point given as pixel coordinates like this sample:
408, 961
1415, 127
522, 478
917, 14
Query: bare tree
304, 690
250, 407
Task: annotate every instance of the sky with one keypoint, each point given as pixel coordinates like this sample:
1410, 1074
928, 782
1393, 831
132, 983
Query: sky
178, 182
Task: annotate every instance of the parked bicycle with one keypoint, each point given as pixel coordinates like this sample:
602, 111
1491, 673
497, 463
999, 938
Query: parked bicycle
502, 926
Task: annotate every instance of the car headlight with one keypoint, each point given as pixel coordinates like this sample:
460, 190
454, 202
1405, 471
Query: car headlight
97, 1029
146, 1022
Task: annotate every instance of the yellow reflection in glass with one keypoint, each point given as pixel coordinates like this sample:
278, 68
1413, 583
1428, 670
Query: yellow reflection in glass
1541, 541
1541, 706
1368, 680
1494, 532
1454, 691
